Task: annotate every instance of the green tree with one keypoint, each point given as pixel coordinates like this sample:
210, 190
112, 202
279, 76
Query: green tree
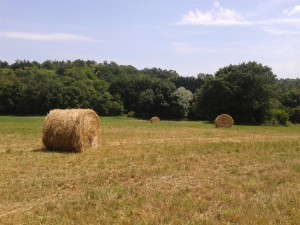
295, 115
159, 73
190, 83
129, 89
4, 64
164, 99
243, 91
182, 99
291, 98
40, 93
146, 107
11, 90
278, 117
115, 108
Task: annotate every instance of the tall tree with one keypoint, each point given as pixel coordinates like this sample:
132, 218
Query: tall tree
182, 100
243, 91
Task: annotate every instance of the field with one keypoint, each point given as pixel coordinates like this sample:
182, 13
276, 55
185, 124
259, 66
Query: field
171, 173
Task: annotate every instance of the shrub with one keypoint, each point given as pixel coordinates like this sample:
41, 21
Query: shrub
295, 115
130, 114
115, 108
278, 117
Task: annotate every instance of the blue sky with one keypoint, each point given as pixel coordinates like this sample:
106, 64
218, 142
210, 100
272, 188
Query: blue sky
189, 36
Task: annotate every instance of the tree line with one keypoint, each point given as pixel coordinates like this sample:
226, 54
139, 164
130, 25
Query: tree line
250, 92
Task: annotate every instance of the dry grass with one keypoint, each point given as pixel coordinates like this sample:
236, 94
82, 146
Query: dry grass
177, 173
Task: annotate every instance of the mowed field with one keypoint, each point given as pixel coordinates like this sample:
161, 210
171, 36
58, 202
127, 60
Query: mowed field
170, 173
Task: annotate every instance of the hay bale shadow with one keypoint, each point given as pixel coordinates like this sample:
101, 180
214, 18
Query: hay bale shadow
52, 151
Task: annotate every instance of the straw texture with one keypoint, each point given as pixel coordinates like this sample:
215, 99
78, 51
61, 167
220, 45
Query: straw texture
154, 119
72, 130
224, 121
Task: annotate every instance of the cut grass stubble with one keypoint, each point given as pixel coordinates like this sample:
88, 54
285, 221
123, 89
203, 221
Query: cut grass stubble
174, 173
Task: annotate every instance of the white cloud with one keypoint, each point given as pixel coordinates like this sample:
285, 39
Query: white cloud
45, 37
292, 11
220, 16
217, 16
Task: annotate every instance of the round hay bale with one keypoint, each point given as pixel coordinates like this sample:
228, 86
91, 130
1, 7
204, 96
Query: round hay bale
71, 130
154, 119
224, 121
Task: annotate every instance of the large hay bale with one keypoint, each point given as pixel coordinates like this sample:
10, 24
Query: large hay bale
71, 130
154, 119
224, 120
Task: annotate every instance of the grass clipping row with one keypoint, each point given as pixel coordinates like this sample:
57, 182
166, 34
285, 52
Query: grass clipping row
72, 130
224, 121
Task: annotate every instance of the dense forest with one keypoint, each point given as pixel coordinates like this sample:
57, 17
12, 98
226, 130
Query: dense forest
250, 92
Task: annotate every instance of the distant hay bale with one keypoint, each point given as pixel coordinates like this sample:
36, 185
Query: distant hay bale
154, 119
224, 120
71, 130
